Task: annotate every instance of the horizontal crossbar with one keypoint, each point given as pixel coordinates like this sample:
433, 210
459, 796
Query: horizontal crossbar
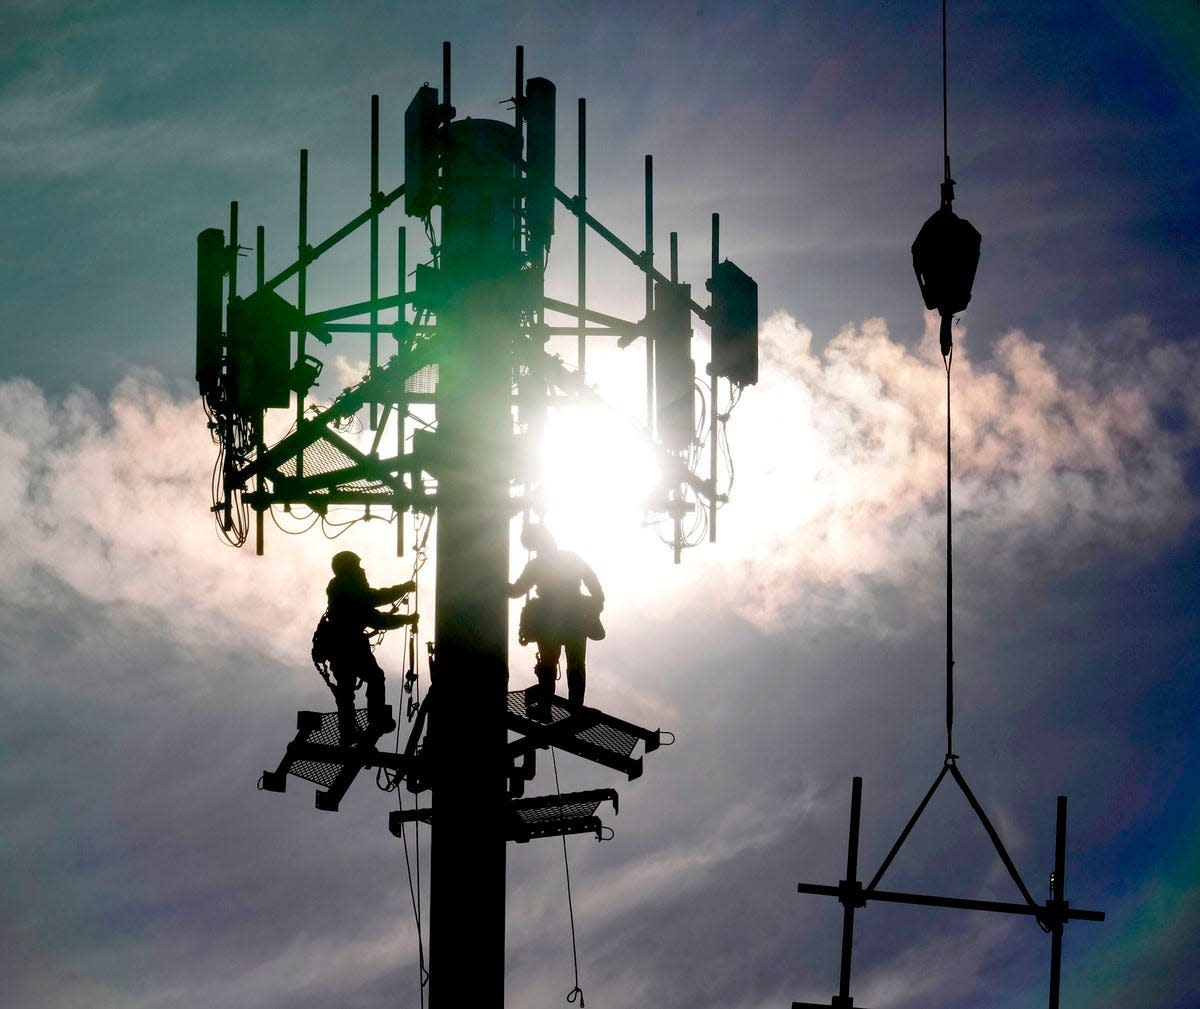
999, 906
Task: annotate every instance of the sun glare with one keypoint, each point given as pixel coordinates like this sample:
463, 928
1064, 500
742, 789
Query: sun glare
598, 474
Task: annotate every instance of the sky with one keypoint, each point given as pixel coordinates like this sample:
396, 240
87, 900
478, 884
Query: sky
148, 673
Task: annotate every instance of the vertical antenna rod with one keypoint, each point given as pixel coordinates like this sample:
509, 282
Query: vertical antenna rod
302, 287
648, 266
375, 208
401, 413
519, 123
677, 518
233, 258
260, 267
712, 397
581, 240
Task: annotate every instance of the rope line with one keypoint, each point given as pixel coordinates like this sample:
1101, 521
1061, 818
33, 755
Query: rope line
414, 893
413, 684
575, 993
945, 101
950, 754
419, 559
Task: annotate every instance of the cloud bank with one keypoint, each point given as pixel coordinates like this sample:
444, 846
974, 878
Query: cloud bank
169, 666
1060, 459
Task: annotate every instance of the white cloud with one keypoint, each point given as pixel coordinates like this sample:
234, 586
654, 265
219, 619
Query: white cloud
113, 499
843, 456
839, 506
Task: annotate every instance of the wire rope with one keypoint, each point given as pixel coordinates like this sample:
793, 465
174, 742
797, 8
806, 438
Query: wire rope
948, 359
414, 893
412, 635
945, 101
576, 993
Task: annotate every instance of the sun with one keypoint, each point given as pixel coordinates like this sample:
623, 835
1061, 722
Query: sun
598, 474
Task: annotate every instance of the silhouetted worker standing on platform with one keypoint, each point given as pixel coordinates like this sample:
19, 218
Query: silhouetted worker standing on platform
559, 617
351, 616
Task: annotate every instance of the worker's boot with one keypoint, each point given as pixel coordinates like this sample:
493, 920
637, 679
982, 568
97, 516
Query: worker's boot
543, 693
575, 685
380, 719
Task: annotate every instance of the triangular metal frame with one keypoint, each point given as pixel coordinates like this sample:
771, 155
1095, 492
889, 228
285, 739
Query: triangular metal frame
1052, 916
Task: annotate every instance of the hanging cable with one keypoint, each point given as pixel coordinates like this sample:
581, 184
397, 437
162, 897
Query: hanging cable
950, 754
414, 893
945, 109
947, 347
413, 687
575, 993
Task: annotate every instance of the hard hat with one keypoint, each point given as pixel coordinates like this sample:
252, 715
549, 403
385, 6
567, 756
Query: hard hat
345, 562
537, 538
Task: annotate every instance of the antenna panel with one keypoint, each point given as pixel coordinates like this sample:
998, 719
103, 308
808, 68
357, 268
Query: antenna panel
734, 325
210, 278
539, 160
421, 152
674, 369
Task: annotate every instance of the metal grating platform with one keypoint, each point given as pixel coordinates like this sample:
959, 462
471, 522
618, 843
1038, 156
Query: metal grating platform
585, 732
318, 754
537, 816
321, 772
556, 815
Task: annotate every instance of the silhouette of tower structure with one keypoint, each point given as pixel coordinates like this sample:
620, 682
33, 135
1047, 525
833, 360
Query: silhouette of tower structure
474, 353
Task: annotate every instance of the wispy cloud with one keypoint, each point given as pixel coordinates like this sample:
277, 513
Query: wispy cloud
843, 452
836, 517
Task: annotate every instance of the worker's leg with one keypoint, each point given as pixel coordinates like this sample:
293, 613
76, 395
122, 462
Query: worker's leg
546, 667
345, 682
372, 676
576, 654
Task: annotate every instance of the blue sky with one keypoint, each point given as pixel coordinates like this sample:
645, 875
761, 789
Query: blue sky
150, 673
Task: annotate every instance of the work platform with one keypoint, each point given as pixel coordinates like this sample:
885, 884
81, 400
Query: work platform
583, 731
320, 755
536, 816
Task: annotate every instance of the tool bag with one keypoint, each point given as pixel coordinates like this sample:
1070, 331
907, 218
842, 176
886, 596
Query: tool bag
541, 621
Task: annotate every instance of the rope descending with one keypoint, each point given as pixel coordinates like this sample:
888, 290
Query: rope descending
948, 356
576, 993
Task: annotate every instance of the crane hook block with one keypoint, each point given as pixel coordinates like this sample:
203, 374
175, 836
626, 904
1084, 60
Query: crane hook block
945, 256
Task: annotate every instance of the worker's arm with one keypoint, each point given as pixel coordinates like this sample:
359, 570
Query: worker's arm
388, 621
591, 583
525, 581
391, 593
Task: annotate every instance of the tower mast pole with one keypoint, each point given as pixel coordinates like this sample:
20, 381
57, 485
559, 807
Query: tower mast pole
467, 736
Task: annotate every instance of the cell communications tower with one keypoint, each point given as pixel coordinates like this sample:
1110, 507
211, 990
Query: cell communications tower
454, 399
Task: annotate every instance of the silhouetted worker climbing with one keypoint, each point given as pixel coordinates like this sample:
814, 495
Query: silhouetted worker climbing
343, 640
559, 617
